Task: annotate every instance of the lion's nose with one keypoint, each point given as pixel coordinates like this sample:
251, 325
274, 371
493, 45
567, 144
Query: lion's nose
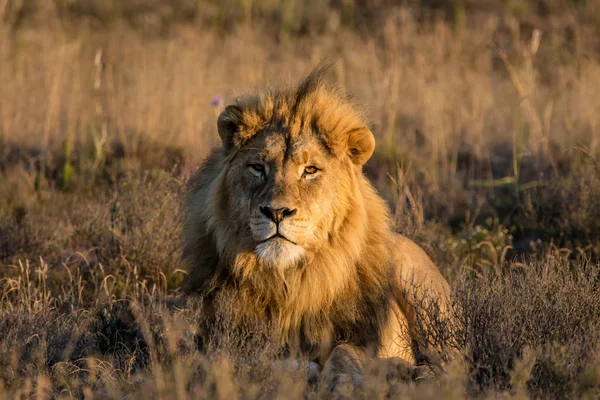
277, 214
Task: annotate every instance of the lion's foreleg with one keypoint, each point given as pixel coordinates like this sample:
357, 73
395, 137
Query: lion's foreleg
343, 370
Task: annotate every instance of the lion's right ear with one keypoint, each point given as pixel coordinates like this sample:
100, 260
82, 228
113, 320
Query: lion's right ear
228, 125
361, 144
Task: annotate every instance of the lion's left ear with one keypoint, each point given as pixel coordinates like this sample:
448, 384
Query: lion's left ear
361, 144
228, 124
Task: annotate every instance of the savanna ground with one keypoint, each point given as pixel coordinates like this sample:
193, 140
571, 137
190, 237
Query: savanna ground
487, 116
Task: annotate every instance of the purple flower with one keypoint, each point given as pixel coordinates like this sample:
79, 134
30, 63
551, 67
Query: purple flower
216, 101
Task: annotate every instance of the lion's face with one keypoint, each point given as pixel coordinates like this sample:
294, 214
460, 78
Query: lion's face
288, 192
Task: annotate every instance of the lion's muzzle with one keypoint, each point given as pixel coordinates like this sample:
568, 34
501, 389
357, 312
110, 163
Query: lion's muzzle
276, 234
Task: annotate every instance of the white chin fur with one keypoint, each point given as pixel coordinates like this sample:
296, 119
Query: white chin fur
279, 253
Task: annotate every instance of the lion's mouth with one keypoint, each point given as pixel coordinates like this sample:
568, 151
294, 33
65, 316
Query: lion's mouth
277, 236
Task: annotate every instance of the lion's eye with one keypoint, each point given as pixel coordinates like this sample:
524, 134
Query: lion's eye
257, 169
310, 170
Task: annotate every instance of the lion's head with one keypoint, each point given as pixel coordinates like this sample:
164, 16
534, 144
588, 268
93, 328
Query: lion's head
294, 156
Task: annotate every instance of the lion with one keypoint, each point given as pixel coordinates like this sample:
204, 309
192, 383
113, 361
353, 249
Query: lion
282, 216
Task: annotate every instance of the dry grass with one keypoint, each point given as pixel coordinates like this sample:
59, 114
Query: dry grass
488, 151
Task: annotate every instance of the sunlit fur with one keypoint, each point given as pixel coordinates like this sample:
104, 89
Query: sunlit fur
336, 279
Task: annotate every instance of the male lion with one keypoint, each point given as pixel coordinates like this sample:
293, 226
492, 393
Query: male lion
283, 217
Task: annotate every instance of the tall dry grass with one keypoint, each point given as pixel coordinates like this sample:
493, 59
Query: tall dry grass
488, 152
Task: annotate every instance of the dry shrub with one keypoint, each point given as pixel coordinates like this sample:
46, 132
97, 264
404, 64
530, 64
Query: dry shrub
550, 308
19, 238
566, 211
132, 225
137, 227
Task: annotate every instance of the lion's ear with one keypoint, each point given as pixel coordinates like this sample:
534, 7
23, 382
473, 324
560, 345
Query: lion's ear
361, 144
228, 124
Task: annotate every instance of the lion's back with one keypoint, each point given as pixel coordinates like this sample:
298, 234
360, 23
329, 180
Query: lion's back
414, 267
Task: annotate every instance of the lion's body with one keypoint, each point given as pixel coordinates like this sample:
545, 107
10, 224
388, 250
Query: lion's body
333, 272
